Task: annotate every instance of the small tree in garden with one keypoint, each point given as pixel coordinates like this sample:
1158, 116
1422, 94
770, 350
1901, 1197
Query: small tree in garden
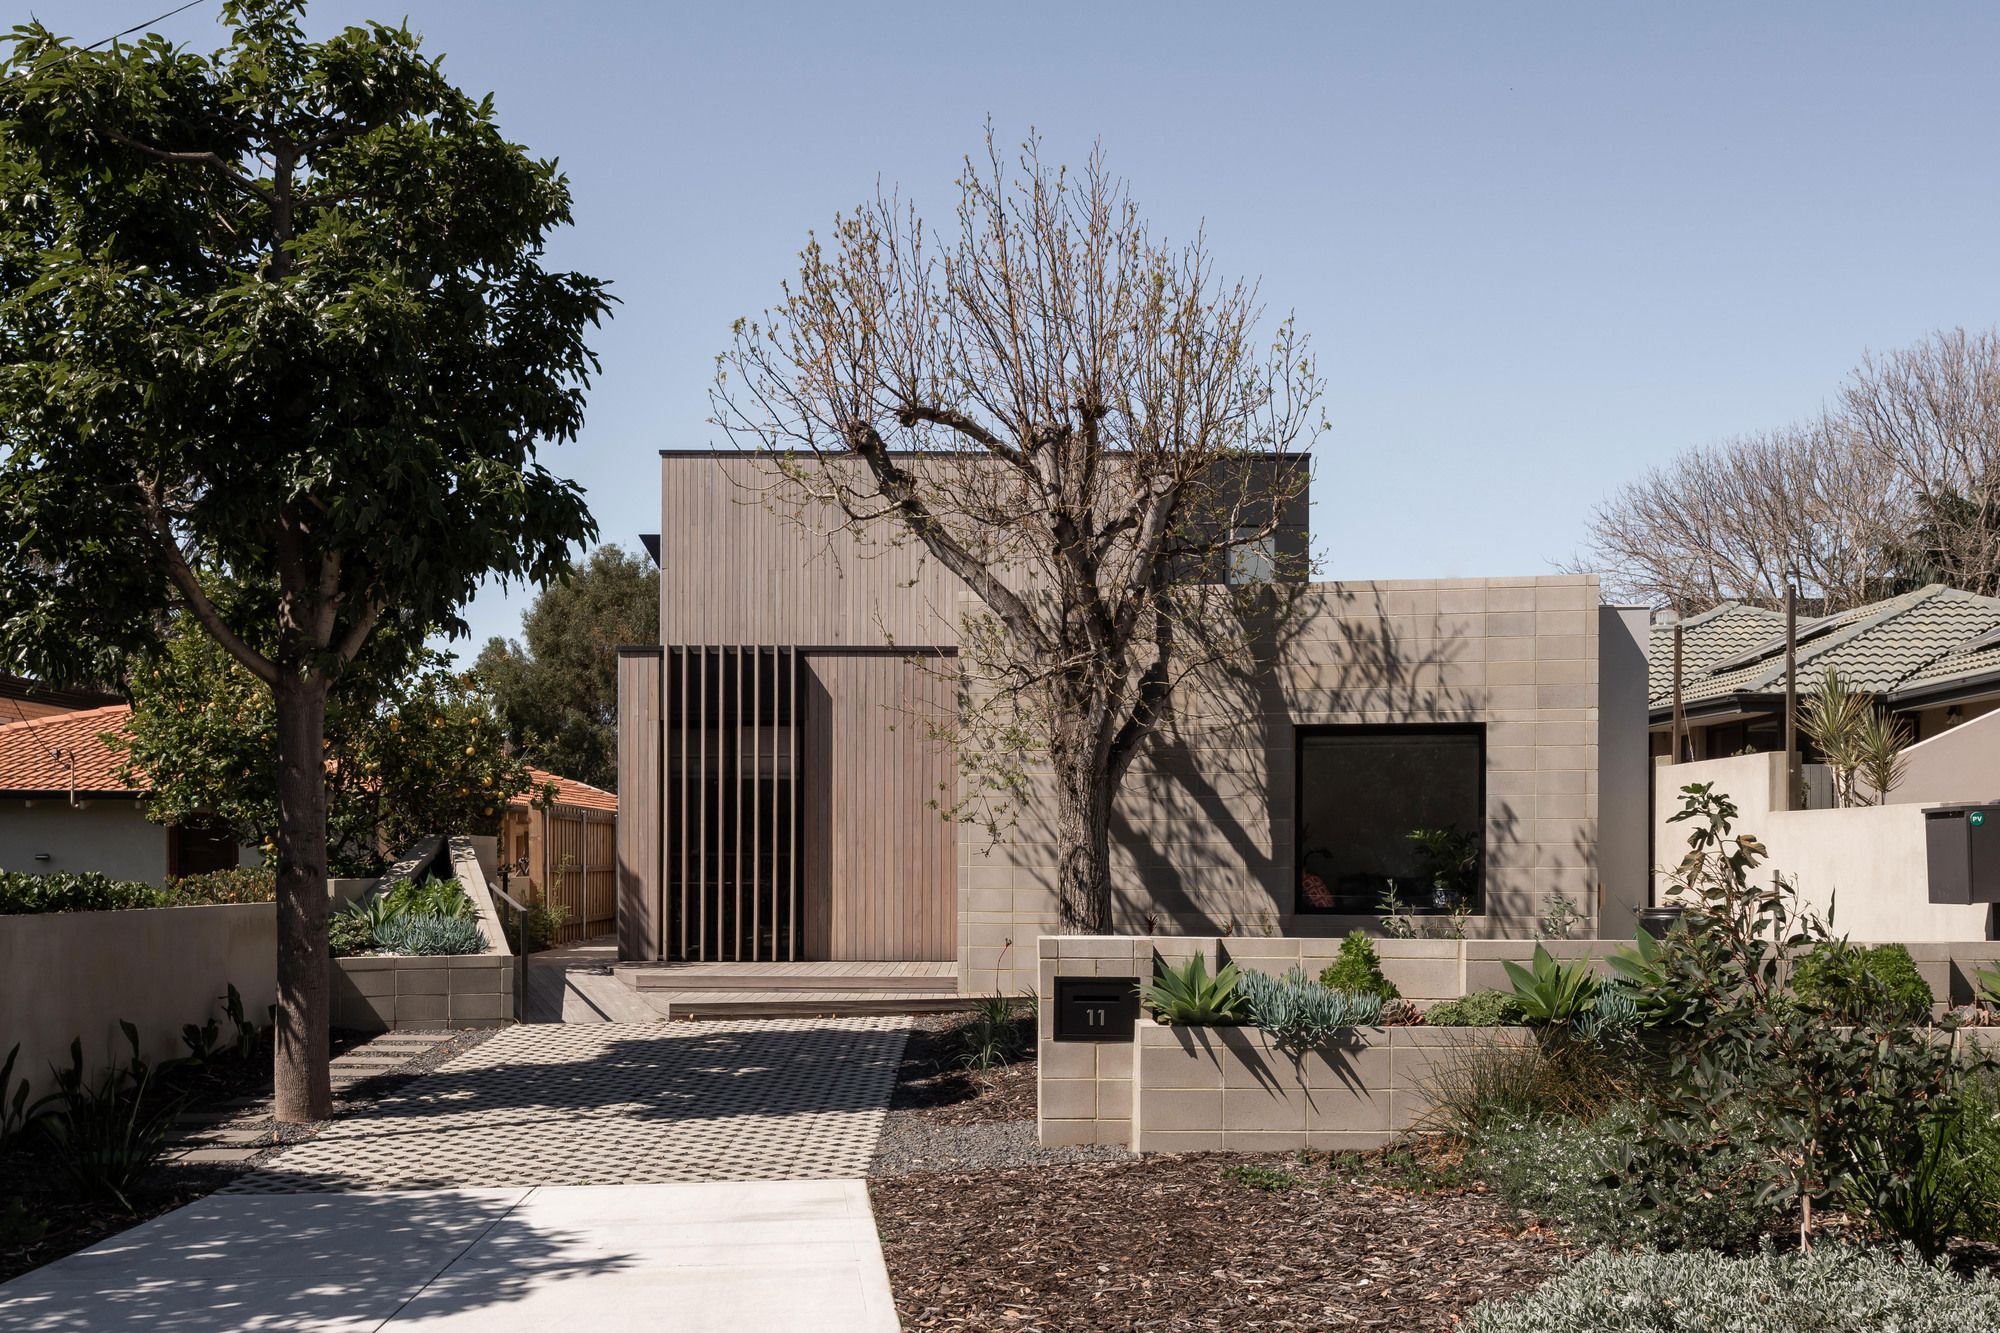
1860, 1109
414, 751
558, 687
1080, 422
279, 347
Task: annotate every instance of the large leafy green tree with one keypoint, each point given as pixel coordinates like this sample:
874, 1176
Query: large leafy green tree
558, 687
416, 751
277, 347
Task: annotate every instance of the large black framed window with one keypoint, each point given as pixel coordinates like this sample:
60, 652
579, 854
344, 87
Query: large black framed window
1391, 814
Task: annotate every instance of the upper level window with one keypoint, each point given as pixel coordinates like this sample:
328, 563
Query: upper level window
1391, 818
1254, 561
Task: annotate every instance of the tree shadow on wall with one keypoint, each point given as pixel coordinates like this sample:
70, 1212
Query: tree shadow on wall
1213, 849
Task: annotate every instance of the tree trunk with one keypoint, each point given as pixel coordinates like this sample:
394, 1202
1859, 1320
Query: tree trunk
1083, 842
300, 1079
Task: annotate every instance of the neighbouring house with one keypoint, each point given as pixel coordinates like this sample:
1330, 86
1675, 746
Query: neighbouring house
63, 806
557, 840
1932, 656
781, 782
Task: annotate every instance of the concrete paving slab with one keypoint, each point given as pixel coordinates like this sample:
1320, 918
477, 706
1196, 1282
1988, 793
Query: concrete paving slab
324, 1235
682, 1257
199, 1305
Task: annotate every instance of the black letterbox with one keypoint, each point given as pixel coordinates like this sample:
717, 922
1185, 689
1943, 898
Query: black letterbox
1963, 843
1096, 1008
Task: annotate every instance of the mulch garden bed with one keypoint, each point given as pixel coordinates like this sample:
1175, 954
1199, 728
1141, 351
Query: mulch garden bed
932, 1082
1175, 1243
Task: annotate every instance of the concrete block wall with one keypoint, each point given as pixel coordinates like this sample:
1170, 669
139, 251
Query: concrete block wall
1203, 836
1083, 1089
1231, 1089
387, 994
1095, 1092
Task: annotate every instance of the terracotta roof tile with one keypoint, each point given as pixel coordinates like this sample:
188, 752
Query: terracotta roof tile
569, 792
64, 752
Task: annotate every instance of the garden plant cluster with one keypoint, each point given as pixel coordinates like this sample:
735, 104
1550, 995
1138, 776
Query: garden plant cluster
418, 917
1755, 1123
83, 1154
23, 894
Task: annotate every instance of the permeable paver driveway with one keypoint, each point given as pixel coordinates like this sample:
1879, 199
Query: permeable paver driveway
595, 1104
690, 1258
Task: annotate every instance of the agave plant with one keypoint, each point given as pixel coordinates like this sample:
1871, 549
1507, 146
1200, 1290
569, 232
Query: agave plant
1187, 995
431, 935
1553, 993
1299, 1012
1640, 971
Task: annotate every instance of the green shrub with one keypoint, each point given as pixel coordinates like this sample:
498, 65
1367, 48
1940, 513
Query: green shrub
1862, 985
245, 884
1299, 1012
1616, 1180
1481, 1009
349, 932
25, 894
1269, 1179
430, 897
1473, 1088
1826, 1289
1358, 969
1188, 995
428, 935
107, 1136
998, 1033
534, 930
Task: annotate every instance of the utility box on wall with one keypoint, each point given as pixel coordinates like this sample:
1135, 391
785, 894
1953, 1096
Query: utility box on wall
1963, 845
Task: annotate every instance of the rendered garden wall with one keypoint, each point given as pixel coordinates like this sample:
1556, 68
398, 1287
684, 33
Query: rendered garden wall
67, 975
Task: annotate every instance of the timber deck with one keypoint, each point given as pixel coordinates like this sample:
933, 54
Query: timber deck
789, 990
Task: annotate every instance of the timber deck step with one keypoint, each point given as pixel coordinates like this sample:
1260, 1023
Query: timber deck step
819, 979
795, 1004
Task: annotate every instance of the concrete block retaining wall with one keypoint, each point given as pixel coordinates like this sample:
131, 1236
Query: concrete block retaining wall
1137, 1092
379, 993
1232, 1089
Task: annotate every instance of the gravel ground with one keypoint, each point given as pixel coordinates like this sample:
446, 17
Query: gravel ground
947, 1118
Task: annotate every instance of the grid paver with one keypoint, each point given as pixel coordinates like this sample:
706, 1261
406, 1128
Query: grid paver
592, 1104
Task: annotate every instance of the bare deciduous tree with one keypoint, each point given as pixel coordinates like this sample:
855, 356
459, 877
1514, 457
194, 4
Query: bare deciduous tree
1931, 414
1896, 486
1726, 522
1077, 421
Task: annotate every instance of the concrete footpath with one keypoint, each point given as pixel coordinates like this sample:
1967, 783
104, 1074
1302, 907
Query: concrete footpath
688, 1257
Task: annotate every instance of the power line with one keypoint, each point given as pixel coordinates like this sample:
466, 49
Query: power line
147, 24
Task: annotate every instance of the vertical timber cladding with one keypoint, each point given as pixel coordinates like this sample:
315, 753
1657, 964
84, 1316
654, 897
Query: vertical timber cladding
639, 879
880, 856
731, 805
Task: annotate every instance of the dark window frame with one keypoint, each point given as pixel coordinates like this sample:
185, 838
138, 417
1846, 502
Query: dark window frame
1303, 732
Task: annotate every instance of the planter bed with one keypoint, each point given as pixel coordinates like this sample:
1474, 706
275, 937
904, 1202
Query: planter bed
386, 993
1204, 1089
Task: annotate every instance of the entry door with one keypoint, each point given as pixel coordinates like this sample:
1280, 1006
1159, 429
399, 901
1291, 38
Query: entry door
881, 868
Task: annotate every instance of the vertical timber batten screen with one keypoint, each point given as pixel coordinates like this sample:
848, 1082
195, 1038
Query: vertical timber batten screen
640, 772
730, 804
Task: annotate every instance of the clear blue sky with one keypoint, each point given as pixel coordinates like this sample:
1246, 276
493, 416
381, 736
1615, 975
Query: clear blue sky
1539, 247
